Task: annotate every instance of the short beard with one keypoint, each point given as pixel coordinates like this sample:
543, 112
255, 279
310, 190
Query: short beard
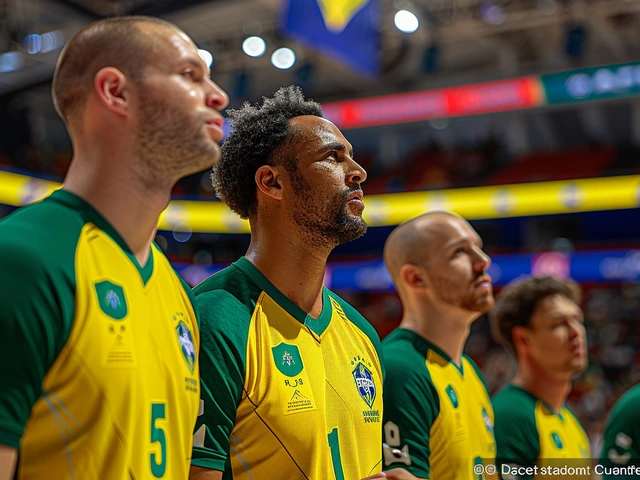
450, 293
171, 145
325, 226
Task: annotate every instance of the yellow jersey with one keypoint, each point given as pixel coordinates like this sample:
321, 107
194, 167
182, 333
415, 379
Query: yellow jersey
438, 419
529, 434
285, 395
103, 380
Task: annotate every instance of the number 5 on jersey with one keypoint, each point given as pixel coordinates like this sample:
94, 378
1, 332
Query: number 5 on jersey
158, 462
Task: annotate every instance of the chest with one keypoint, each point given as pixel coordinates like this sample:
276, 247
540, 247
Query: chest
560, 436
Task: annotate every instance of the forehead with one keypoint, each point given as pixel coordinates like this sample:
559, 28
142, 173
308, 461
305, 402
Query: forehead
444, 230
556, 305
316, 131
172, 45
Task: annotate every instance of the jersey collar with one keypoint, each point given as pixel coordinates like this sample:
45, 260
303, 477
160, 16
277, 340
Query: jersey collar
316, 325
90, 214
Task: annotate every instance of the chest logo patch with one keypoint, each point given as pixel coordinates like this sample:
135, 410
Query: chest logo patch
186, 345
365, 384
287, 359
453, 396
111, 299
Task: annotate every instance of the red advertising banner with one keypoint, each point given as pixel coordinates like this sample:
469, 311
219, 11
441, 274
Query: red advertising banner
490, 97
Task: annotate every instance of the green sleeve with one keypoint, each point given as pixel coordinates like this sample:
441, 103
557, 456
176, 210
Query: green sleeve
411, 405
224, 334
515, 429
621, 445
37, 301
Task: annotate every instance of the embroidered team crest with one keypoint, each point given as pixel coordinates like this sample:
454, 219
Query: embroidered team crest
452, 396
487, 420
287, 359
111, 299
186, 345
364, 382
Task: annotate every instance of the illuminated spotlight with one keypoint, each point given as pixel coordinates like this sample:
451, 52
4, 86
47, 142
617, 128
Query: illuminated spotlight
206, 56
254, 46
10, 61
52, 41
491, 13
33, 43
283, 58
406, 21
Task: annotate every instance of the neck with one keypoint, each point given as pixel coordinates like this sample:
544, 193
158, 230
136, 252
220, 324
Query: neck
131, 205
291, 265
448, 331
551, 390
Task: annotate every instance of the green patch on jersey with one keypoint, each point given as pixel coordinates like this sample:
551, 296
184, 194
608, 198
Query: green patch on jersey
111, 299
287, 359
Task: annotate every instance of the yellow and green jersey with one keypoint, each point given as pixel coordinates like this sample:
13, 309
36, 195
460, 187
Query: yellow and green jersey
100, 377
438, 420
285, 395
529, 433
621, 446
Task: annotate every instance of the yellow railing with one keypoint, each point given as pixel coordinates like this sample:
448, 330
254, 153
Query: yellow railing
525, 199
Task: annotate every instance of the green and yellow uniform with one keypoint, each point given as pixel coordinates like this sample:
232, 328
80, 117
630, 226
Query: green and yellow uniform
285, 395
100, 376
529, 433
621, 446
438, 420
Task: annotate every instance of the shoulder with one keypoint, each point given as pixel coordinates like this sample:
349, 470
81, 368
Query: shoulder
41, 240
477, 372
627, 405
513, 404
357, 319
406, 366
47, 228
226, 301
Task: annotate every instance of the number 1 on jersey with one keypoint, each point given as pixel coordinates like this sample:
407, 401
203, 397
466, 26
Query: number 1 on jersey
158, 465
334, 445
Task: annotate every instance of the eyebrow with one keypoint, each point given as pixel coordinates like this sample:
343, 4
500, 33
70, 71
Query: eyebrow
335, 146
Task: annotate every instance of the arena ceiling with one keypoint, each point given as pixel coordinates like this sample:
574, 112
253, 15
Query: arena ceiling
531, 39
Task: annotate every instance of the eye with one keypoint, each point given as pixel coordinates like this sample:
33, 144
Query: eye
334, 154
459, 251
189, 74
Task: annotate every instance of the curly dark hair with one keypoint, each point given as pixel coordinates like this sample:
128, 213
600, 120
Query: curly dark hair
516, 304
258, 132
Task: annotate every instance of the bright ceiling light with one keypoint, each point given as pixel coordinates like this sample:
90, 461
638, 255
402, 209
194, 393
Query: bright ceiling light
283, 58
254, 46
406, 21
206, 56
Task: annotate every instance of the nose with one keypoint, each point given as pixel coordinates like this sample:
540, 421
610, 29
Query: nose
356, 173
216, 97
575, 329
482, 260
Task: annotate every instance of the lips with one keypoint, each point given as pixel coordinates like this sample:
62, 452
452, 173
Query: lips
357, 195
483, 281
217, 121
214, 125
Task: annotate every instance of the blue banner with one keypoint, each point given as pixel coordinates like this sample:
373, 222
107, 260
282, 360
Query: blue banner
347, 30
610, 266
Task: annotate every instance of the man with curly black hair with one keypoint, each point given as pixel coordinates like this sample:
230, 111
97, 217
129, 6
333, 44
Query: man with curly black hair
291, 375
540, 322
